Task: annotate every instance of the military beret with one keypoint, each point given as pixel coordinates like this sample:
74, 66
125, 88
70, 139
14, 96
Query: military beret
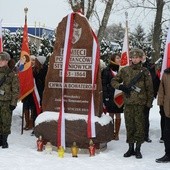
136, 52
4, 56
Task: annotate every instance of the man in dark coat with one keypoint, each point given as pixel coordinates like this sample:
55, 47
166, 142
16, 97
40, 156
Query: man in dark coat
155, 80
164, 101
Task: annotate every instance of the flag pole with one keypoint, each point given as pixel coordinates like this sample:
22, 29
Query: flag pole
25, 10
126, 16
127, 30
35, 32
1, 41
39, 29
22, 125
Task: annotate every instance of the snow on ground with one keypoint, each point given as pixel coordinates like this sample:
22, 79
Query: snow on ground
22, 153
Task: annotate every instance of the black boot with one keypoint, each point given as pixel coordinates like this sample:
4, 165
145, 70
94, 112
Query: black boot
148, 140
164, 159
4, 141
130, 151
0, 140
137, 151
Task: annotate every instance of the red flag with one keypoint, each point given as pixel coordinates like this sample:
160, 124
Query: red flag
166, 58
25, 68
125, 51
1, 45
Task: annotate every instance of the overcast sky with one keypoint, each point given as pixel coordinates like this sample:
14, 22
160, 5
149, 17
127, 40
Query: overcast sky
51, 12
48, 12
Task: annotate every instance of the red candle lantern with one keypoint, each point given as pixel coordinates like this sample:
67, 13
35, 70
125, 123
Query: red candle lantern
92, 148
40, 144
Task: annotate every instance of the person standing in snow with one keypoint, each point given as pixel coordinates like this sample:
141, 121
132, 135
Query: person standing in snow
112, 107
138, 94
155, 80
29, 105
9, 92
161, 112
164, 101
39, 73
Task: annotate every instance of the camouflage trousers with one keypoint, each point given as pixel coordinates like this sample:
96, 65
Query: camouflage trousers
5, 118
134, 122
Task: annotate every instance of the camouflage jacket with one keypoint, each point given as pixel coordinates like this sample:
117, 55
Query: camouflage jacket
125, 75
9, 90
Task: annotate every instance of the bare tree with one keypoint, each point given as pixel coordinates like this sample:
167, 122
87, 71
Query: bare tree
158, 6
90, 8
105, 19
156, 43
90, 11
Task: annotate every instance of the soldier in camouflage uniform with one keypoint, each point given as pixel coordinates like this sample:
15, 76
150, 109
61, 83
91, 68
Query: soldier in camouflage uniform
135, 100
9, 91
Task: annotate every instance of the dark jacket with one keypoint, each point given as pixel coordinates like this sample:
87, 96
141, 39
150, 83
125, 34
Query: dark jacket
40, 80
155, 78
108, 90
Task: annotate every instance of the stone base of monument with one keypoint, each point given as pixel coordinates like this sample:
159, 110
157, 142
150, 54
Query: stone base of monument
76, 131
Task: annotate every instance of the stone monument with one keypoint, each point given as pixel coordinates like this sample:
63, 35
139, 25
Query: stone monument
79, 79
77, 87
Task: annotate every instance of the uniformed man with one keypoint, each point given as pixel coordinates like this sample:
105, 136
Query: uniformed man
136, 83
9, 91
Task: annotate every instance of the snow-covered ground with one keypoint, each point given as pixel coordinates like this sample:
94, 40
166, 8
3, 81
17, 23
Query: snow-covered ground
22, 152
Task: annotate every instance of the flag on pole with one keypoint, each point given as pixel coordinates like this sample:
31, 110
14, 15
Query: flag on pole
118, 95
25, 69
166, 57
26, 79
125, 51
1, 45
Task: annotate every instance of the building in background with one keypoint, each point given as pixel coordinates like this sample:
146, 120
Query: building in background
35, 31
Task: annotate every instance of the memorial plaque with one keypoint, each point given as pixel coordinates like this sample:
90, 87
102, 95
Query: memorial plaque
78, 84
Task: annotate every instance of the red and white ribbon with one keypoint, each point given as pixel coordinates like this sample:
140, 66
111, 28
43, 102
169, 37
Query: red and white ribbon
91, 130
66, 58
36, 98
